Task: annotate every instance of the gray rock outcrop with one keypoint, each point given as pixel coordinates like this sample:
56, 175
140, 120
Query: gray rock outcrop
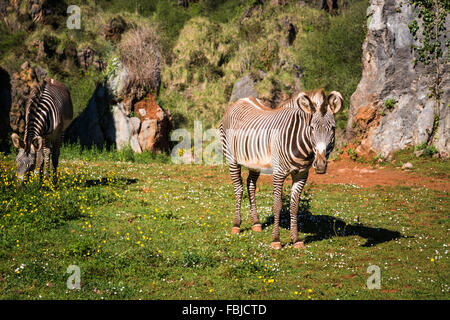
127, 129
108, 119
244, 87
391, 108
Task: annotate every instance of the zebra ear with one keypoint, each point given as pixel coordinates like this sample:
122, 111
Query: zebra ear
335, 101
17, 142
305, 103
37, 143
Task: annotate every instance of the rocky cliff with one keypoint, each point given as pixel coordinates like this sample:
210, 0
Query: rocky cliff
393, 107
109, 117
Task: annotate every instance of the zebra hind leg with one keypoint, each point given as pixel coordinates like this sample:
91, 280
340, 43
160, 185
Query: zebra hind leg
251, 188
235, 172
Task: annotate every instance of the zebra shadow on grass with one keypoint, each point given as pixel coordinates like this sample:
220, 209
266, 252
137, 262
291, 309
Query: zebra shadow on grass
104, 181
320, 227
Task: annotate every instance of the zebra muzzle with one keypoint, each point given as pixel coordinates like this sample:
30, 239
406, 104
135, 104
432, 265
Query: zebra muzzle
320, 164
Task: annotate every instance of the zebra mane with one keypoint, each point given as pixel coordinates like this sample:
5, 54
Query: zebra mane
32, 104
289, 102
317, 97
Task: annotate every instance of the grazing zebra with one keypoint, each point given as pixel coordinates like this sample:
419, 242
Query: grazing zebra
282, 141
47, 114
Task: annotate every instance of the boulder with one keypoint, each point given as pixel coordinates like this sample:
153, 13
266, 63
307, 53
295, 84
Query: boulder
407, 165
117, 85
155, 125
389, 73
5, 106
244, 87
109, 117
126, 129
21, 84
419, 153
117, 78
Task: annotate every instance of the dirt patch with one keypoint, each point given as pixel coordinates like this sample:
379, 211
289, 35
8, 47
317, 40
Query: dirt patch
362, 175
338, 172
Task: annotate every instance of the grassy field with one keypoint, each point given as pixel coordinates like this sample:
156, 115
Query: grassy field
154, 230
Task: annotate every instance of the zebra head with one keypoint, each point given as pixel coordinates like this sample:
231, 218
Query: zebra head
26, 157
322, 125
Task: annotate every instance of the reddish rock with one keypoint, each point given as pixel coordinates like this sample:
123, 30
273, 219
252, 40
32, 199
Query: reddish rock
365, 115
364, 150
155, 125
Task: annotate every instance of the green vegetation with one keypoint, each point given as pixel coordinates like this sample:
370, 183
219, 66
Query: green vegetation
428, 150
76, 151
425, 164
352, 154
141, 227
433, 14
331, 50
114, 219
81, 89
210, 56
205, 48
430, 35
390, 103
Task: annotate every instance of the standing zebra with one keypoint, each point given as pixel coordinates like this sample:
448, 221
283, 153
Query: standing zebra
282, 141
47, 114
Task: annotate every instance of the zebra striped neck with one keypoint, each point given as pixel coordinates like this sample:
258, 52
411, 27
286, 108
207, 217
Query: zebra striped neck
301, 149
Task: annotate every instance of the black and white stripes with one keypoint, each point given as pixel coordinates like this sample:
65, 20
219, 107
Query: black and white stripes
48, 113
282, 141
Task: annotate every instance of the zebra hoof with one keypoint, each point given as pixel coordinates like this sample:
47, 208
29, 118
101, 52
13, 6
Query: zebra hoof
257, 228
276, 245
299, 245
235, 230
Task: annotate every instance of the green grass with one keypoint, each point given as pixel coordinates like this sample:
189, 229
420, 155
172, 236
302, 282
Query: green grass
162, 231
126, 154
425, 164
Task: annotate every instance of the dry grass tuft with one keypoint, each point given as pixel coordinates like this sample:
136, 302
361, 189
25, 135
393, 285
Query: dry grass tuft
141, 55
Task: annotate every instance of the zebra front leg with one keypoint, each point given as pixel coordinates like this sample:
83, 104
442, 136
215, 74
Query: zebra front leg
298, 182
39, 164
278, 181
251, 188
235, 172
